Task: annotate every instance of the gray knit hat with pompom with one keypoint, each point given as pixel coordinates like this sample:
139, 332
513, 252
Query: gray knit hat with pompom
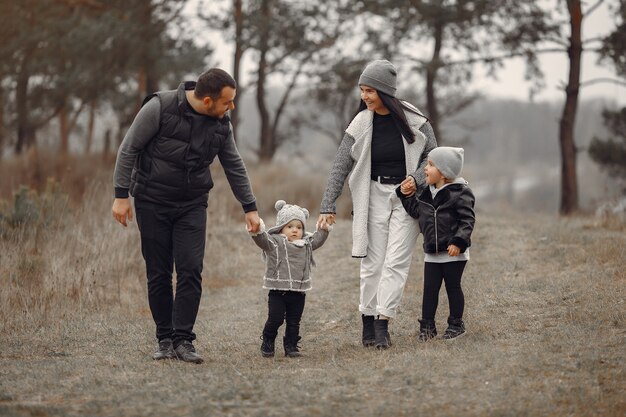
287, 213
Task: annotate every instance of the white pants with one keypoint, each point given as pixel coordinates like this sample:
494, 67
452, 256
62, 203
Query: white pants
391, 235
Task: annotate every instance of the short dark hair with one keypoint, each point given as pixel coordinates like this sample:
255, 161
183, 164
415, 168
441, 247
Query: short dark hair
211, 82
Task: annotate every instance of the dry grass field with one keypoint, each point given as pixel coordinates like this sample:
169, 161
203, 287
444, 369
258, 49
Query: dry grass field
545, 312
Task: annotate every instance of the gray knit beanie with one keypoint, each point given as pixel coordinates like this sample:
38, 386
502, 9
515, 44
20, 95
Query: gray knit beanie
287, 213
381, 75
448, 160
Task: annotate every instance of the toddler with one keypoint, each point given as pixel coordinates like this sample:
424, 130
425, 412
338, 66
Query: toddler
288, 253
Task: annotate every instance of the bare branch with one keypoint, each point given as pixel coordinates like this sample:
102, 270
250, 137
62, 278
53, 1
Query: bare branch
603, 80
557, 41
292, 83
89, 3
497, 58
596, 39
592, 8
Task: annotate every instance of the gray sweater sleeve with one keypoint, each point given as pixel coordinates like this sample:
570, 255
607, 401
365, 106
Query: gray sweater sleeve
236, 173
339, 172
141, 131
431, 143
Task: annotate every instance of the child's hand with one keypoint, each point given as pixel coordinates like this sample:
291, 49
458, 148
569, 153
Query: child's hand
260, 230
325, 226
454, 250
408, 186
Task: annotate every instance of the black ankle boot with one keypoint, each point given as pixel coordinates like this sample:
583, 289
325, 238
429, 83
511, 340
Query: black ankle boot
369, 334
456, 328
427, 330
267, 347
381, 329
291, 346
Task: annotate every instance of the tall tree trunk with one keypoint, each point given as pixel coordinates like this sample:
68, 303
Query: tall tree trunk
106, 148
64, 131
90, 127
431, 79
25, 131
142, 83
239, 48
283, 102
147, 80
2, 123
569, 182
266, 141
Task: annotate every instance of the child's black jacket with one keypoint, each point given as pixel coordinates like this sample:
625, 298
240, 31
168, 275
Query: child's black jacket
446, 220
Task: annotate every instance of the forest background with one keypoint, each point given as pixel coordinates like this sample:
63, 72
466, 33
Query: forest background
545, 155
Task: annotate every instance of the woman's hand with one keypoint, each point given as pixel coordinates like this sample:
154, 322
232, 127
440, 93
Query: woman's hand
325, 220
408, 186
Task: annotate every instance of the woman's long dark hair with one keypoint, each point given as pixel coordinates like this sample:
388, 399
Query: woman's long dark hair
396, 107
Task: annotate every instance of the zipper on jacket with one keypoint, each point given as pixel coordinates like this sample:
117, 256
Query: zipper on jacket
436, 237
187, 169
435, 215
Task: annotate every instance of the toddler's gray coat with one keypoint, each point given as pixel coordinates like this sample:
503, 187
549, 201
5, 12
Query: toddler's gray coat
288, 264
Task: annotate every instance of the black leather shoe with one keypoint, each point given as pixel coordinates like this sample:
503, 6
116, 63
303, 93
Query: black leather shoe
165, 350
267, 347
292, 350
187, 353
369, 335
381, 328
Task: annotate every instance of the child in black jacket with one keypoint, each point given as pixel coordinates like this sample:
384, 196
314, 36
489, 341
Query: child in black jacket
445, 211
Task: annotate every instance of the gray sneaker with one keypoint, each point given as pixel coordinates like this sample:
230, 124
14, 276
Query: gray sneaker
165, 350
187, 353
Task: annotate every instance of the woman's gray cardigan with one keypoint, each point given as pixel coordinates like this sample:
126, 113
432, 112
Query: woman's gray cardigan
288, 264
354, 159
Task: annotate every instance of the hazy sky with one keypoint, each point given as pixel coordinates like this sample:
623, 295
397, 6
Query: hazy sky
510, 82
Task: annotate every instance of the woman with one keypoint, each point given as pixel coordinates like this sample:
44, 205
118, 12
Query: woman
386, 144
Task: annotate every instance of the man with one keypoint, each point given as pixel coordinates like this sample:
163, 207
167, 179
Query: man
163, 162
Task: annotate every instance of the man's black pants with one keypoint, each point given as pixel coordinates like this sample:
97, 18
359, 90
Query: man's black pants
284, 306
173, 236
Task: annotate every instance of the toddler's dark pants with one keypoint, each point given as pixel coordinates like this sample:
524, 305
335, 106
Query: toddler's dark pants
284, 306
434, 274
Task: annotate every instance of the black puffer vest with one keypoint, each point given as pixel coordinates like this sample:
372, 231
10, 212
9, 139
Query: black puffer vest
174, 167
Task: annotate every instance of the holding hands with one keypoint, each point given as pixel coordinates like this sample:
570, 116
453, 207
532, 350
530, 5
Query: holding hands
408, 186
325, 221
253, 221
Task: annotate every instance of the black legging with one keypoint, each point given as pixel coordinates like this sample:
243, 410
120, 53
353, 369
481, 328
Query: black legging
434, 274
284, 306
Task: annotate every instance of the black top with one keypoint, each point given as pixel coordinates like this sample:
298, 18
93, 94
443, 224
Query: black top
387, 148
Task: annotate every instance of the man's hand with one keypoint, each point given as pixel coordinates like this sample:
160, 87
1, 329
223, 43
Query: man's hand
253, 221
122, 210
408, 186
